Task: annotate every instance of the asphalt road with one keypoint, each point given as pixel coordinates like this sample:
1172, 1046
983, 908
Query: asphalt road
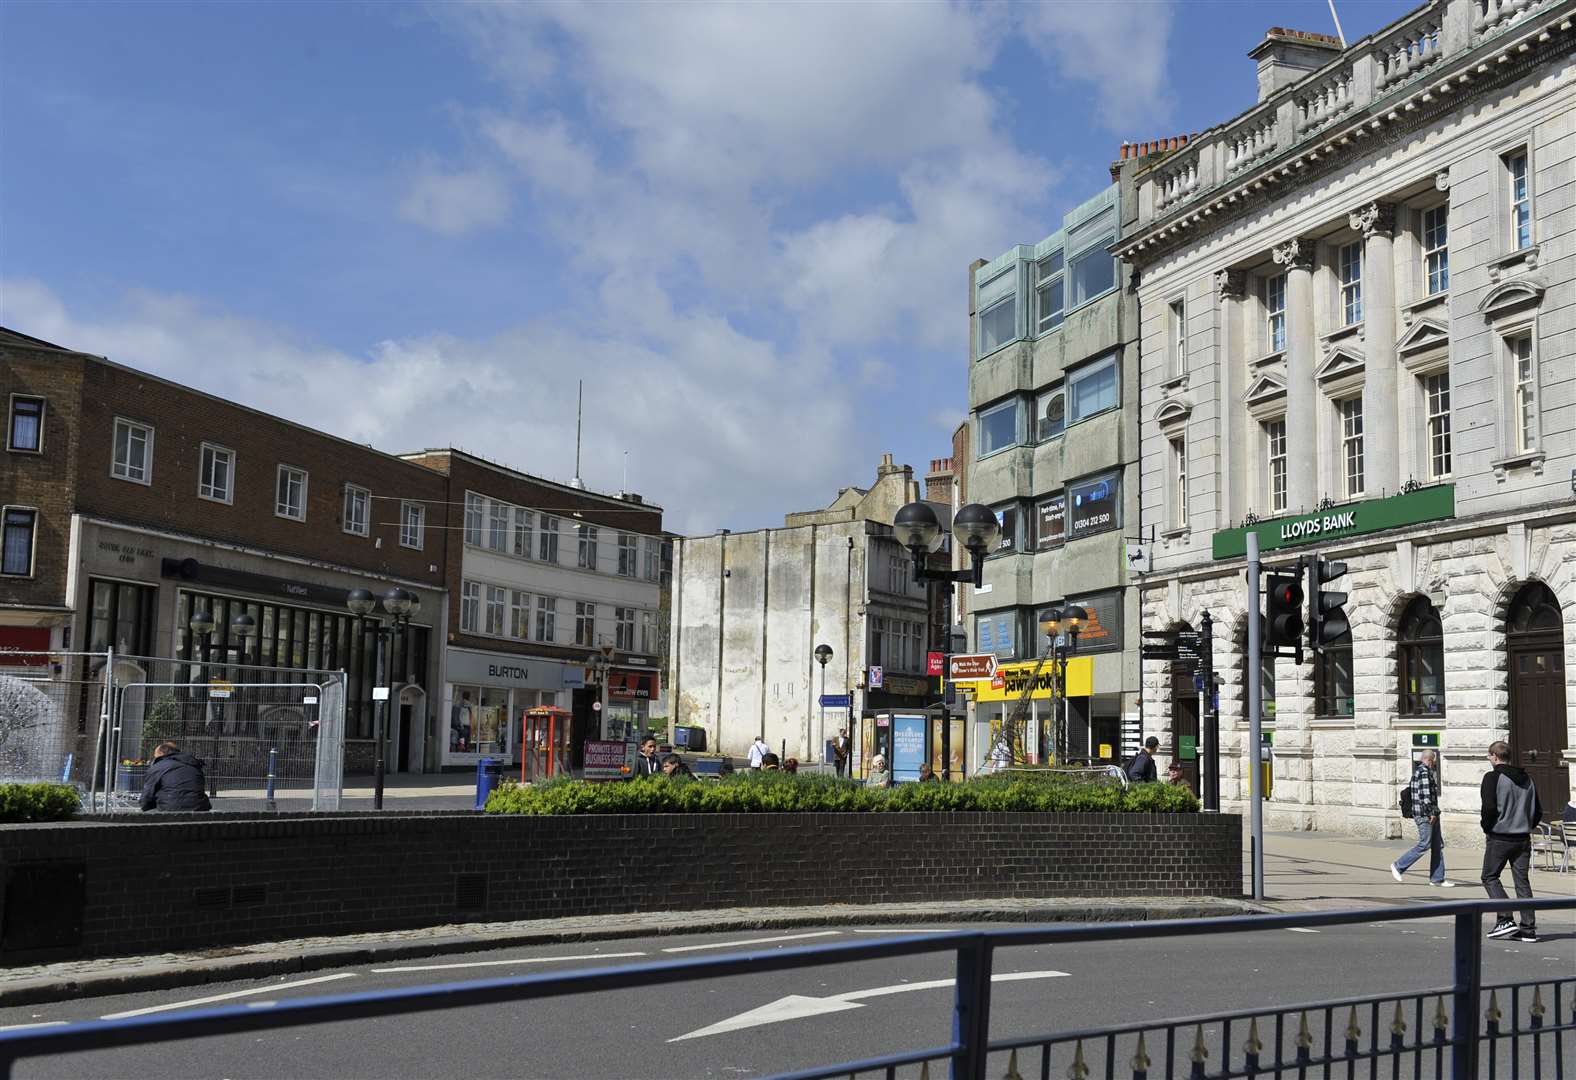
703, 1029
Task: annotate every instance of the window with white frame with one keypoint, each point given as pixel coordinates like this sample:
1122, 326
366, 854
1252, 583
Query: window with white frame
475, 511
1436, 393
1349, 271
998, 427
998, 310
628, 555
470, 605
412, 524
1350, 412
1436, 249
1050, 414
1050, 292
290, 493
358, 503
216, 473
1275, 462
133, 457
585, 623
547, 542
496, 598
1518, 187
546, 619
17, 532
1179, 482
587, 547
648, 631
1091, 269
524, 527
1093, 389
653, 559
624, 629
25, 433
1524, 373
498, 515
1176, 323
519, 614
1275, 312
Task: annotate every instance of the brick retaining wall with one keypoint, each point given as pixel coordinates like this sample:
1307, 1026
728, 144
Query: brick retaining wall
91, 888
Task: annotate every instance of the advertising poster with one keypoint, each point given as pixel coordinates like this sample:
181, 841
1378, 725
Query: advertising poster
608, 760
1094, 507
908, 746
959, 726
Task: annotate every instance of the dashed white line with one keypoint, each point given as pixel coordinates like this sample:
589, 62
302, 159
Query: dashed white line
751, 941
905, 930
506, 963
35, 1024
271, 988
1301, 930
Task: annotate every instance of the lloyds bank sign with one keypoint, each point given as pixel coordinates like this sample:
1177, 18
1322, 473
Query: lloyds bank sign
1341, 522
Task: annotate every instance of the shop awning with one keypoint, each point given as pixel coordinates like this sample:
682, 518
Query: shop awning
633, 685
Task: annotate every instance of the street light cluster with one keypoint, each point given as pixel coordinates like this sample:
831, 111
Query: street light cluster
976, 527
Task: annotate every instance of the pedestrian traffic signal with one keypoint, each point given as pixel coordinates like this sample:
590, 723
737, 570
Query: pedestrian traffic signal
1284, 621
1327, 622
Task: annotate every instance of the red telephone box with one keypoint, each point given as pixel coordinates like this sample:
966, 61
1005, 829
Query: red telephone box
544, 742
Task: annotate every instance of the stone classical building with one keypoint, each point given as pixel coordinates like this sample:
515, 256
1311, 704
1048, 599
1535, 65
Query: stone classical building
1053, 393
1359, 339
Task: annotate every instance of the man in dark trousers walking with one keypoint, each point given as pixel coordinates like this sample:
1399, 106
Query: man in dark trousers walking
175, 781
1141, 770
1510, 812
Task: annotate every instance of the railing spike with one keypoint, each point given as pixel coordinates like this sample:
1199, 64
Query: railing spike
1354, 1030
1493, 1015
1441, 1020
1398, 1024
1539, 1011
1253, 1045
1078, 1070
924, 1070
1012, 1068
1140, 1061
1198, 1055
1304, 1036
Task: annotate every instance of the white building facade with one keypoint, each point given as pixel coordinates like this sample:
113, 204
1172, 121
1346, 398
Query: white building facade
1359, 340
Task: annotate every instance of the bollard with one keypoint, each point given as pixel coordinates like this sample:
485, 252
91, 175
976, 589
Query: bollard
487, 771
273, 759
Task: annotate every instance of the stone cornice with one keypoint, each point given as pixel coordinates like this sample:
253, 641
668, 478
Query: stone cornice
1544, 38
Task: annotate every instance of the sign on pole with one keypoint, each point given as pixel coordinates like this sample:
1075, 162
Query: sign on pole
973, 667
876, 677
933, 663
836, 701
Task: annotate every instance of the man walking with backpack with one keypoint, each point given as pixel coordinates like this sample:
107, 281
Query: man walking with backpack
1420, 802
1510, 812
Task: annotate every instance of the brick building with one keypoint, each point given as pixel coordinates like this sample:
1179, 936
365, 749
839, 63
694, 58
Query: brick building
130, 501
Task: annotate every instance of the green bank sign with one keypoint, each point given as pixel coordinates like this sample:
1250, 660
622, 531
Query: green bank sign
1341, 522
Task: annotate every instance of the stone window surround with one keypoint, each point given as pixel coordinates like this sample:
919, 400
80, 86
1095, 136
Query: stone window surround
1517, 317
1504, 228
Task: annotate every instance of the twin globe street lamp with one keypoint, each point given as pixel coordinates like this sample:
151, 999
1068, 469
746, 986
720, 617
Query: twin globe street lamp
1061, 626
401, 605
918, 529
242, 629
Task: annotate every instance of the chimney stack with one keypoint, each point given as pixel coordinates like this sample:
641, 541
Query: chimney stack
1289, 56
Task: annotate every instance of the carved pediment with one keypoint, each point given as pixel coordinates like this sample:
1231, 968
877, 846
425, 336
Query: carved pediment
1174, 412
1340, 363
1265, 388
1509, 297
1424, 336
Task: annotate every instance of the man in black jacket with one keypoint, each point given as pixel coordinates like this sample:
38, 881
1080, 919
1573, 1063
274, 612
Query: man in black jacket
1510, 812
175, 781
646, 762
1141, 770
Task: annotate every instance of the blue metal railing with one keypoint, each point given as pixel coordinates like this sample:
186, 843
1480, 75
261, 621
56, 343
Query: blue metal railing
1455, 1036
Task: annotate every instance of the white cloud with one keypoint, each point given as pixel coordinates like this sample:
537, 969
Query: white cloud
703, 409
1120, 48
455, 203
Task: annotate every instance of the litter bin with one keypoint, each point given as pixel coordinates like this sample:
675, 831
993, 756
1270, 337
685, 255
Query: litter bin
488, 772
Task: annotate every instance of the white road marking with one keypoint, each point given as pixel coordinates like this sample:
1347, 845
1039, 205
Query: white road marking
505, 963
798, 1006
35, 1024
900, 930
1301, 930
271, 988
752, 941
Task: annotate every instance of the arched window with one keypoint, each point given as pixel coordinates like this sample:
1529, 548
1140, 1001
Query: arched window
1420, 655
1535, 610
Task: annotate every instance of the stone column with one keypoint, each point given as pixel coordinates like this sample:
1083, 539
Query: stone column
1302, 434
1230, 368
1381, 413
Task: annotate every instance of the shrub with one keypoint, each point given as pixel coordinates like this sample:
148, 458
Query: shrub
37, 802
773, 792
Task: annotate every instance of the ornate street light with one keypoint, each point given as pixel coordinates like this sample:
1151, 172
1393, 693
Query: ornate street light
400, 604
1061, 626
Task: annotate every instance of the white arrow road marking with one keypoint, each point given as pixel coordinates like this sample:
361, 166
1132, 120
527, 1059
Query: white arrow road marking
271, 988
752, 941
796, 1006
505, 963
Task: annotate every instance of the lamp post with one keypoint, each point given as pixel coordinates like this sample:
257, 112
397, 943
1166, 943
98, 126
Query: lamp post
599, 662
399, 604
202, 627
1061, 625
242, 629
919, 530
823, 653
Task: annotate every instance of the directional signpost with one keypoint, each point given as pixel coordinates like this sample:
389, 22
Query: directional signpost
837, 701
973, 667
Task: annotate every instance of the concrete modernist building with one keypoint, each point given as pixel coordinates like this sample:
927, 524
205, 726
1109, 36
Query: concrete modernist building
544, 574
1359, 338
750, 608
130, 501
1053, 392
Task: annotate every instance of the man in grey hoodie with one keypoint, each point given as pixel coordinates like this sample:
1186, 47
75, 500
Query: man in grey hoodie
1510, 812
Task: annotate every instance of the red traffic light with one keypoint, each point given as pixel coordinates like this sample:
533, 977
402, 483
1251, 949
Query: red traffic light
1286, 593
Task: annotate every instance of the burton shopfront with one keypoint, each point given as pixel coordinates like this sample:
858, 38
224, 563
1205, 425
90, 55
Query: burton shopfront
486, 696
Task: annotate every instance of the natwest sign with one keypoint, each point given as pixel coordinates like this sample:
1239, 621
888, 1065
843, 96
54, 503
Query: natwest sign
973, 667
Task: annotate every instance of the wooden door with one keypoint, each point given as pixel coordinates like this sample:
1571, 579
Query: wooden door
1538, 732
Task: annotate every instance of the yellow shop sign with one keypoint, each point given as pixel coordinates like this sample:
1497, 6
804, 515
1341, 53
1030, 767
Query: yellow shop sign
1012, 678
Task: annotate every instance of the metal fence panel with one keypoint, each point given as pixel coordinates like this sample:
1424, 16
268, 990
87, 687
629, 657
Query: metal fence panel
50, 705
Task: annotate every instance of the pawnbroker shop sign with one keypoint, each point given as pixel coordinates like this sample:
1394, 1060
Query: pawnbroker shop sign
1340, 522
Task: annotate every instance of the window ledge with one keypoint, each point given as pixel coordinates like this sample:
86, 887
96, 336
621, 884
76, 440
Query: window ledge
1354, 330
1331, 723
1532, 458
998, 350
1432, 300
1270, 358
1430, 722
24, 450
1176, 534
1498, 266
1175, 382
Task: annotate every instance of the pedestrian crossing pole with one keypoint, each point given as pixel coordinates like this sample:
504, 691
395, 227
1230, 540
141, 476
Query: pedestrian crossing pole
1255, 682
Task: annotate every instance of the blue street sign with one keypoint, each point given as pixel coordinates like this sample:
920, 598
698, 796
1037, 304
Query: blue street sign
837, 701
1198, 682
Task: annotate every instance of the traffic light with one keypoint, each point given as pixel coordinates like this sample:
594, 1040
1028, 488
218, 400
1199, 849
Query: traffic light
1284, 620
1327, 621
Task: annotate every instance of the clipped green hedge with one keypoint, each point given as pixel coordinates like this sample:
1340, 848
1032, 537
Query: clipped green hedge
37, 802
768, 793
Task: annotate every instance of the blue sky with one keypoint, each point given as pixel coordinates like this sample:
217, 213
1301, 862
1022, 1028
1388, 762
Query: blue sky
746, 228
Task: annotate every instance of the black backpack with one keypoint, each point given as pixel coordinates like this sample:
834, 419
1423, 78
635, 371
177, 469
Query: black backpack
1406, 800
